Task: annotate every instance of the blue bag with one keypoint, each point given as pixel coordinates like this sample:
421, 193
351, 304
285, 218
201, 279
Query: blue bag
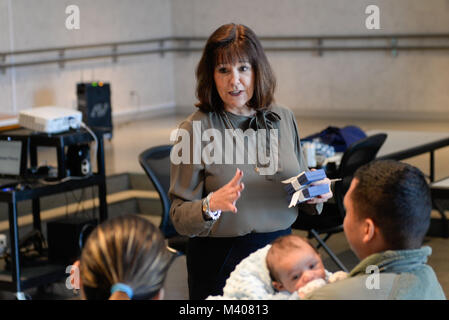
339, 138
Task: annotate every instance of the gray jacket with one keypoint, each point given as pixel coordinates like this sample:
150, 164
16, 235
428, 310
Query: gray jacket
398, 275
263, 205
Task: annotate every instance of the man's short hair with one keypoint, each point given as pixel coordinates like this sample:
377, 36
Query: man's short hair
396, 197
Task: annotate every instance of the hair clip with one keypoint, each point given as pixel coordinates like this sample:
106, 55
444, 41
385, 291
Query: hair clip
122, 288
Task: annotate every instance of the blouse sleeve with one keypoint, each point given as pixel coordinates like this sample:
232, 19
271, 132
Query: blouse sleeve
303, 207
187, 187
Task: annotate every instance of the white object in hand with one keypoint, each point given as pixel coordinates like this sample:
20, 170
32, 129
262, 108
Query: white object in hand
290, 180
295, 198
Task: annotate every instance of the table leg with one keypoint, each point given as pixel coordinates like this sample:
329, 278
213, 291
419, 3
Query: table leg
14, 246
102, 199
432, 166
61, 161
36, 214
33, 156
102, 186
444, 220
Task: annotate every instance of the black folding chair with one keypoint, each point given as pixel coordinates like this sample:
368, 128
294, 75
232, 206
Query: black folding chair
156, 163
330, 221
440, 201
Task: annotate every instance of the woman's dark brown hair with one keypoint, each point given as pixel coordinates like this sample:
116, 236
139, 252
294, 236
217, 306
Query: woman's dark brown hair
232, 43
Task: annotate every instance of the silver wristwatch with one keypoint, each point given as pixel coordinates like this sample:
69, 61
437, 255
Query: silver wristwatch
207, 213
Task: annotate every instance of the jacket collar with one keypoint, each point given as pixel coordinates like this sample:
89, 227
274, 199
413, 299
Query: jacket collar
394, 261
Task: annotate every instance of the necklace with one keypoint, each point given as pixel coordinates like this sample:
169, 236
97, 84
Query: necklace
231, 126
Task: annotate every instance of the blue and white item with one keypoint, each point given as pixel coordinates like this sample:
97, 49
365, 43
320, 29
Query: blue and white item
308, 193
300, 188
323, 149
303, 179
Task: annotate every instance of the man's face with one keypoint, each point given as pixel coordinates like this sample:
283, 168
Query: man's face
352, 224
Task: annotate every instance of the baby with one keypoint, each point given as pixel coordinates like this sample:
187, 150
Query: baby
293, 263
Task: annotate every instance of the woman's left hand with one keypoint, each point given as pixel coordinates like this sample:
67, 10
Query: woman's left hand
324, 197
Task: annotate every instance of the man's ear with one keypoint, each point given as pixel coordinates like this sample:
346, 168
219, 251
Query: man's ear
277, 285
369, 229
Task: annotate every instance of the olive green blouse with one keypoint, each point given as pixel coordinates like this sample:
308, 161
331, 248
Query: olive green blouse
196, 171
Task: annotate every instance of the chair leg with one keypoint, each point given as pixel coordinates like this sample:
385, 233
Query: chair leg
324, 240
444, 220
329, 251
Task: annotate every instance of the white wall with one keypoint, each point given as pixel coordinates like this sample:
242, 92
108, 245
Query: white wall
345, 84
41, 24
5, 78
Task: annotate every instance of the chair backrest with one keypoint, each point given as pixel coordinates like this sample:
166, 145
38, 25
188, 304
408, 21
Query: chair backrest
155, 162
357, 154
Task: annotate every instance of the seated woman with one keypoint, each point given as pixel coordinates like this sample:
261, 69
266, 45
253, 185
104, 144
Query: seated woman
124, 258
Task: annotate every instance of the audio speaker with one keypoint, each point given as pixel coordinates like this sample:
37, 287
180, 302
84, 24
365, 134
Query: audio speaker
94, 101
66, 238
78, 160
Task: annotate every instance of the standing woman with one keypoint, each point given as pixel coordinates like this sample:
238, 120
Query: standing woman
235, 87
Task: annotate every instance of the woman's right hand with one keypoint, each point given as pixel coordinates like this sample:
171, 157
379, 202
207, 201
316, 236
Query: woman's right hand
224, 199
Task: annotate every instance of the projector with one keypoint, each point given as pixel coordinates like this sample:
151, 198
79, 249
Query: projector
50, 119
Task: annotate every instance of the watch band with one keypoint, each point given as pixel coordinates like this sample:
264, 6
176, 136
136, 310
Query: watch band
207, 213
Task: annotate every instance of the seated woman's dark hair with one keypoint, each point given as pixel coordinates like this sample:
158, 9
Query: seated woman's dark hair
232, 43
127, 249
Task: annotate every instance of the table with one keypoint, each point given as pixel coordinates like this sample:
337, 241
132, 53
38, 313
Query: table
37, 189
401, 145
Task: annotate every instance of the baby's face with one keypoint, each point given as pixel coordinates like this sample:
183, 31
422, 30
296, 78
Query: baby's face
298, 268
